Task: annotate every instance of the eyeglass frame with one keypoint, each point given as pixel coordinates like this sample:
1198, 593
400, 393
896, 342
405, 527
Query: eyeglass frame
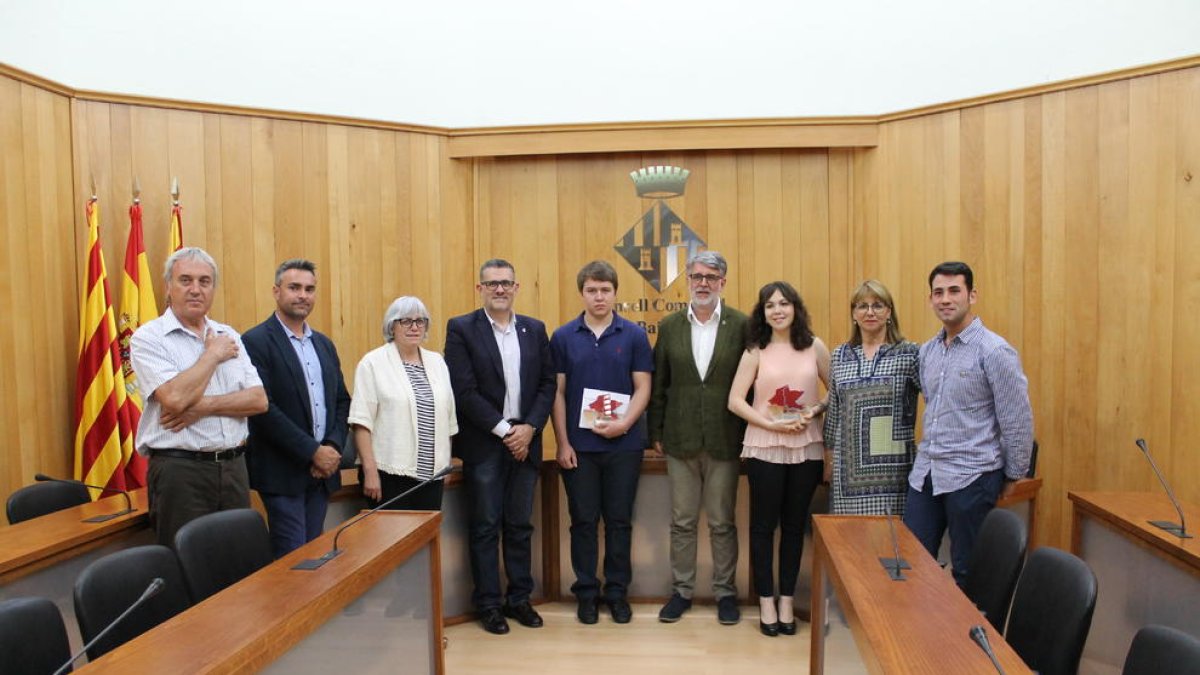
407, 322
877, 307
711, 279
493, 284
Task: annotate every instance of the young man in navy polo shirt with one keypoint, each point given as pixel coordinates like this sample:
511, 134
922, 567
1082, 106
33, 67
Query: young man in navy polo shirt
603, 364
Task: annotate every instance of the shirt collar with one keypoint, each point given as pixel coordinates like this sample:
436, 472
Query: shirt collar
512, 322
581, 323
173, 323
968, 334
288, 331
712, 320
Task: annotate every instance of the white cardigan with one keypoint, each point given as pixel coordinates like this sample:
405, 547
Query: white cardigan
385, 405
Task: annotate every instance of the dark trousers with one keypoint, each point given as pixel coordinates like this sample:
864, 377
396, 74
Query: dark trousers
963, 511
603, 485
780, 496
181, 490
428, 498
295, 520
500, 490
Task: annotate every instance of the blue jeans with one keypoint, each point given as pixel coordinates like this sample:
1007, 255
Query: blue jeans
500, 490
962, 511
603, 485
295, 520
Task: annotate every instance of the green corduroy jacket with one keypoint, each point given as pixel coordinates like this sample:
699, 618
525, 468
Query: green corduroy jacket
689, 415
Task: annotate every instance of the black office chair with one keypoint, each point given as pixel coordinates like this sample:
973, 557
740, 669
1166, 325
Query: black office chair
1162, 649
219, 549
39, 499
110, 585
33, 639
995, 564
1052, 611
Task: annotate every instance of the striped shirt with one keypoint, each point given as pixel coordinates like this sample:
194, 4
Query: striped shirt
977, 412
164, 348
423, 393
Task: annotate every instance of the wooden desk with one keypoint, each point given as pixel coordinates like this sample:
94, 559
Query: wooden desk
43, 556
41, 542
1145, 575
318, 619
919, 625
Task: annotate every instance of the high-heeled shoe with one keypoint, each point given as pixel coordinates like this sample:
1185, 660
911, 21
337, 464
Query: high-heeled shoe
788, 628
769, 629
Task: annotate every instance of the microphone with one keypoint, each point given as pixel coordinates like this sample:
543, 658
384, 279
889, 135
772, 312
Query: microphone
979, 635
315, 563
1179, 530
152, 590
895, 564
43, 478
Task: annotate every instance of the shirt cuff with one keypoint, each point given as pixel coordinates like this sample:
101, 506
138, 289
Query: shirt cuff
502, 428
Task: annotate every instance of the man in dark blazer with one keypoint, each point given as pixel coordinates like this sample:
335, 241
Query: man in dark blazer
503, 379
695, 358
295, 447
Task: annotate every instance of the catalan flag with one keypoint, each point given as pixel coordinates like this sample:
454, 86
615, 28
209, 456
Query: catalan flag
176, 227
137, 307
100, 413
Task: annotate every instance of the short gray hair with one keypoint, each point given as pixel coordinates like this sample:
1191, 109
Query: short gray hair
294, 264
709, 259
190, 253
497, 263
402, 307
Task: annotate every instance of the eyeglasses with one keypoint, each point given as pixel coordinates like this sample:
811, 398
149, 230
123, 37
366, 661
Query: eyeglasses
506, 284
409, 323
877, 307
712, 279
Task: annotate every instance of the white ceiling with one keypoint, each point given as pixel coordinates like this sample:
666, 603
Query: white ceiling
464, 63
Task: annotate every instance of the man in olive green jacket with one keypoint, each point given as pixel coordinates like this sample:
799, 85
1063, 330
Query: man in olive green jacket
691, 423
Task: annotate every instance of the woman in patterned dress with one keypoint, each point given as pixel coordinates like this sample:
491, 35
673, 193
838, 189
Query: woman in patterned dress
869, 445
784, 364
403, 412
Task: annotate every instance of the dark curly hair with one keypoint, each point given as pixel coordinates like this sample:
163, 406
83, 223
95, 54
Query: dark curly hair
758, 331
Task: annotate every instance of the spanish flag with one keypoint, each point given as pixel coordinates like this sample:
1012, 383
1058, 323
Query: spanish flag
137, 307
176, 228
101, 416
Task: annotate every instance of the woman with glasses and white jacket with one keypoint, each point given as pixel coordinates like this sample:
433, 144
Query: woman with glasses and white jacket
402, 412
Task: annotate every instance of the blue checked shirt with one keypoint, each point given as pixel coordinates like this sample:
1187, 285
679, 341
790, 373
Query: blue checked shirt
977, 412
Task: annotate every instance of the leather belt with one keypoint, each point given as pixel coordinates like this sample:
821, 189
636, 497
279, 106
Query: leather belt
200, 455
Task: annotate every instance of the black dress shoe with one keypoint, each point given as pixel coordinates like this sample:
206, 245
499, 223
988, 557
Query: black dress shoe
621, 611
588, 612
525, 615
493, 621
769, 629
788, 628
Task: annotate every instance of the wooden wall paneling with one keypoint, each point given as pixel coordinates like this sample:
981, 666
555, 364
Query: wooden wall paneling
365, 257
186, 159
351, 297
1031, 251
808, 172
254, 289
751, 274
1120, 399
724, 235
317, 242
775, 257
206, 228
150, 162
235, 256
1184, 460
539, 255
841, 279
1082, 197
460, 256
287, 225
1049, 384
39, 332
396, 244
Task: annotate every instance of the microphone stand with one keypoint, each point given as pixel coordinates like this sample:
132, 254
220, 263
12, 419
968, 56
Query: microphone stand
152, 590
1179, 530
103, 517
316, 563
979, 635
895, 564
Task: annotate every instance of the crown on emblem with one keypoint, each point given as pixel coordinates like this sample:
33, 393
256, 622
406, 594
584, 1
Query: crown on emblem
660, 182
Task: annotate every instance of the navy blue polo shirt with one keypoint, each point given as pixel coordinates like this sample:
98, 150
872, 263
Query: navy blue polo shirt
606, 363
